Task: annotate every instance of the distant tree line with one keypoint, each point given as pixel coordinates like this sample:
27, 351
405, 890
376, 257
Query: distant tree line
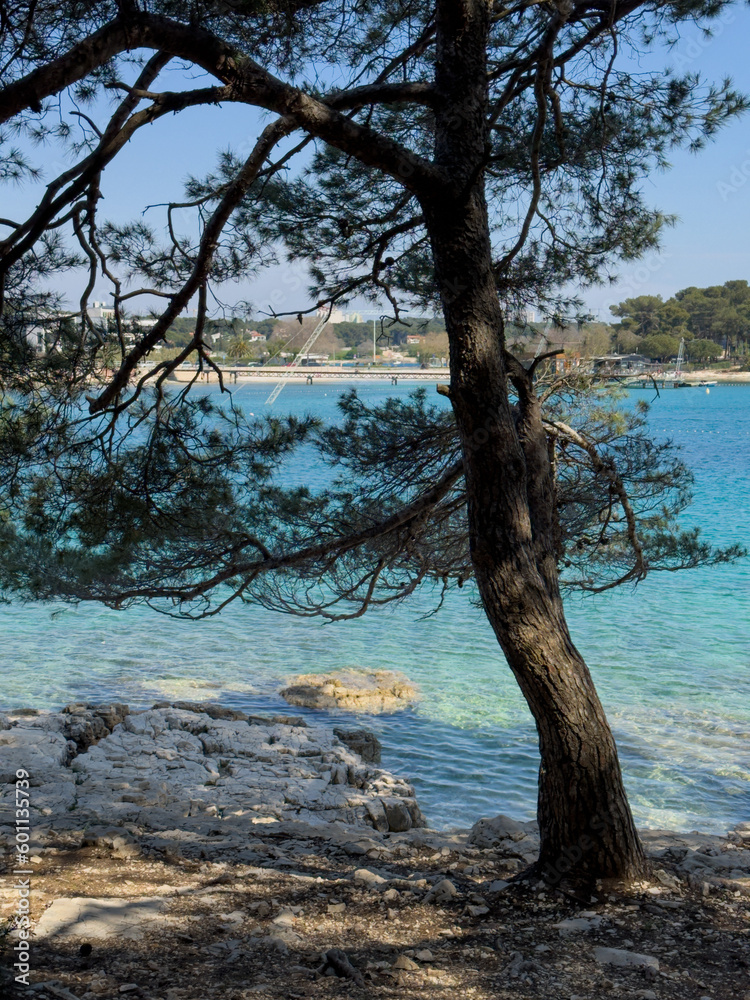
713, 321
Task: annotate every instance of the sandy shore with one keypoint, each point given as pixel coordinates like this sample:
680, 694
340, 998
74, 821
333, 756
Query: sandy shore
711, 375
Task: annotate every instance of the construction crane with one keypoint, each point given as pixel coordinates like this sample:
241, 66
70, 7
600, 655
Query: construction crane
297, 361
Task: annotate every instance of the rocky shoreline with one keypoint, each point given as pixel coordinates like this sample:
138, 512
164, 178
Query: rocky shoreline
190, 851
200, 776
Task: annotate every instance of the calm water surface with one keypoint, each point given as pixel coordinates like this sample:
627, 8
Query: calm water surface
671, 658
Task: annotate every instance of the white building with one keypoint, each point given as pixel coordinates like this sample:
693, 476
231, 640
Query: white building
100, 312
36, 337
337, 316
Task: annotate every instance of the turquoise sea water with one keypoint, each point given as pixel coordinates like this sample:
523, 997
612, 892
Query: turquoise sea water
671, 658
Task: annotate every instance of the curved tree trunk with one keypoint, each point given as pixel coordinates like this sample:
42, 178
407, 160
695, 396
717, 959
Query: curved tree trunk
585, 822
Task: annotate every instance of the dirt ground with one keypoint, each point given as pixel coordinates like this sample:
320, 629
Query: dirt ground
301, 925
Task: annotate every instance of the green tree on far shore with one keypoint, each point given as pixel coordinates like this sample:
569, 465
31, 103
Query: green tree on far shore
640, 315
720, 313
660, 346
703, 350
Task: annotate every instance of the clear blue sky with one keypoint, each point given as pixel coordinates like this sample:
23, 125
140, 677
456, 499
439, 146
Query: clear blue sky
708, 191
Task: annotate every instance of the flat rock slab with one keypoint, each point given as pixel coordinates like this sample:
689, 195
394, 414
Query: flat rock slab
625, 959
372, 691
80, 917
578, 925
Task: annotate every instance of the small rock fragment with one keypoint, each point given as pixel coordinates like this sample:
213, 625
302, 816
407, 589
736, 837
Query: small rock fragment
443, 892
337, 963
369, 878
405, 963
577, 925
425, 955
497, 886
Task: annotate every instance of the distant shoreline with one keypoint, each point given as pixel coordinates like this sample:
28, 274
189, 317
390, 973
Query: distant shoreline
307, 375
709, 375
333, 374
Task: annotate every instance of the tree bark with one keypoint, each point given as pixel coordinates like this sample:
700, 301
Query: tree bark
586, 827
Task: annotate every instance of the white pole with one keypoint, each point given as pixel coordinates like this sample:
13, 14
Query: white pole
373, 342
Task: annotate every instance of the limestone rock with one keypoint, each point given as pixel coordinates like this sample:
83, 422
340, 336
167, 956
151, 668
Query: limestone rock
443, 892
398, 814
191, 782
212, 710
372, 691
498, 885
576, 925
362, 742
299, 721
406, 964
372, 880
489, 832
626, 959
85, 724
337, 963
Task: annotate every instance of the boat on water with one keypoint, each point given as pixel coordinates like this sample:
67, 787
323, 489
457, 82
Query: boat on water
706, 382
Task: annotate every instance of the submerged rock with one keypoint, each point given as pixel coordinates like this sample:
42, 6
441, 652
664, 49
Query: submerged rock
372, 691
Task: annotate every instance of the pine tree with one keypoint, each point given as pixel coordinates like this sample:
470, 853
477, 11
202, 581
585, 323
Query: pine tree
462, 154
